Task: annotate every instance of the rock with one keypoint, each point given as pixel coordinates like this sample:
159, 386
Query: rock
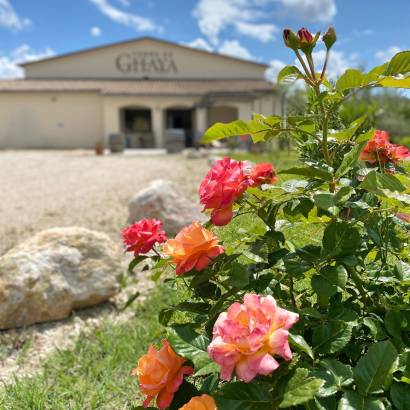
163, 200
54, 272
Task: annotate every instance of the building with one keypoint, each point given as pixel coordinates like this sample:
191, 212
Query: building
157, 93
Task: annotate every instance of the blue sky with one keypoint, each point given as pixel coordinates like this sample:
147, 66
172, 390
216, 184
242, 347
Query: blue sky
369, 31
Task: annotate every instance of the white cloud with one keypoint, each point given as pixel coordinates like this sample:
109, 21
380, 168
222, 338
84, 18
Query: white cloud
201, 44
234, 49
321, 11
262, 32
134, 21
338, 62
386, 55
10, 19
274, 67
214, 16
95, 31
9, 62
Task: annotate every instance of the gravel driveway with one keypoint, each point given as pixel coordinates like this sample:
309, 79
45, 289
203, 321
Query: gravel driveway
44, 189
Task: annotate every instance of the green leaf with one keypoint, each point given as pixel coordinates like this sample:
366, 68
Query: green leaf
342, 195
348, 133
376, 182
395, 322
298, 342
343, 373
182, 396
354, 401
399, 64
400, 395
329, 281
375, 367
208, 369
308, 172
189, 344
331, 337
340, 239
260, 126
238, 276
243, 396
289, 73
301, 388
350, 159
324, 200
351, 78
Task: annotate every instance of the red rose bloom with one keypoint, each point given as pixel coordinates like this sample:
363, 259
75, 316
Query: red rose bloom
223, 185
380, 150
263, 174
305, 36
141, 236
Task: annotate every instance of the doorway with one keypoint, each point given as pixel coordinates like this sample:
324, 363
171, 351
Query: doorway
179, 126
136, 125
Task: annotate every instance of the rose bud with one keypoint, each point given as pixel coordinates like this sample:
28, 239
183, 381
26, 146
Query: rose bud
204, 402
306, 40
329, 38
291, 39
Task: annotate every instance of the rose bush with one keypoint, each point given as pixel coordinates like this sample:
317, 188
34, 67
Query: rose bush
307, 305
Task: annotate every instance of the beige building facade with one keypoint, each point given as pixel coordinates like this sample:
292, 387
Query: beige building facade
153, 93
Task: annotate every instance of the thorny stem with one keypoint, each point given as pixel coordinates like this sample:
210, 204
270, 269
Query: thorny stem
291, 289
358, 282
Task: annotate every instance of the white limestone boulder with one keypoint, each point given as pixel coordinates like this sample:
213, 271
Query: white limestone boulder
54, 272
163, 200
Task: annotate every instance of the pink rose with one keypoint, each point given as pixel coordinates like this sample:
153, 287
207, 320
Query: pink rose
246, 337
223, 185
263, 174
141, 236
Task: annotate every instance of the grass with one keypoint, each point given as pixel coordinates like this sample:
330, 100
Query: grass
95, 373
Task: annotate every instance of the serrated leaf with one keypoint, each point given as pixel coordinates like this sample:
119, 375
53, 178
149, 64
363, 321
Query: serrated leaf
343, 373
376, 181
209, 368
331, 337
399, 64
348, 133
300, 388
374, 367
243, 396
189, 344
298, 342
291, 73
354, 401
340, 239
400, 395
350, 159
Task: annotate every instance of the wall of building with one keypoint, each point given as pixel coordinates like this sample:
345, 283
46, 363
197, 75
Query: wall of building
50, 120
145, 58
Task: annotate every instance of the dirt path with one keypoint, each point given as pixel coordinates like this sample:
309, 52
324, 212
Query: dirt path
44, 189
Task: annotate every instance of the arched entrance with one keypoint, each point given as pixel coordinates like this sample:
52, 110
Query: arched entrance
136, 125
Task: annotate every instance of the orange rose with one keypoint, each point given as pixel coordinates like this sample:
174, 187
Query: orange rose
160, 373
203, 402
193, 247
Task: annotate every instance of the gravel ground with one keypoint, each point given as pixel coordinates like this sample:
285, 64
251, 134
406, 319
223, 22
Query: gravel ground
44, 189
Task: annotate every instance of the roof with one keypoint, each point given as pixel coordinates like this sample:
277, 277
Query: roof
139, 39
140, 87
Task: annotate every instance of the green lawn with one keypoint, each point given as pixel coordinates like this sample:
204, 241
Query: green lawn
96, 373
